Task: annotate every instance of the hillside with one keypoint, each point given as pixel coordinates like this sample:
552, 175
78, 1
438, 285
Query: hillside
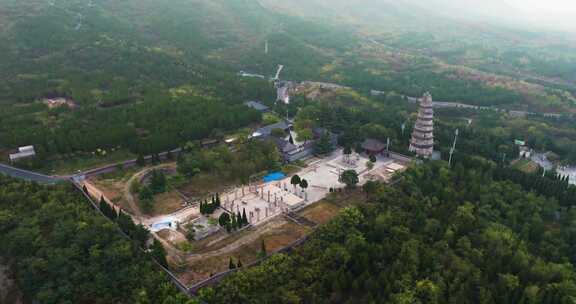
121, 65
539, 66
75, 47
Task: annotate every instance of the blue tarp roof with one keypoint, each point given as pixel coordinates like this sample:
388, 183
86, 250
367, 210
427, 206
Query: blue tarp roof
274, 176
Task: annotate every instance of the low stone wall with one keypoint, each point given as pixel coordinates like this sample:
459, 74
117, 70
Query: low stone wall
221, 275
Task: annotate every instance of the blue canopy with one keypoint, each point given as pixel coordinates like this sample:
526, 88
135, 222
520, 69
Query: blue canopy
274, 176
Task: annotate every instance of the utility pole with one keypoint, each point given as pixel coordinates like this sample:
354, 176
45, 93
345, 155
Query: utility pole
403, 128
388, 147
453, 147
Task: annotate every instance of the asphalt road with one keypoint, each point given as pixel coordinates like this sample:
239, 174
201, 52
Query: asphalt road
28, 175
45, 179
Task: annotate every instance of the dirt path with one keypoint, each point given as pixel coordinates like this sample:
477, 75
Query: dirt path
129, 197
252, 236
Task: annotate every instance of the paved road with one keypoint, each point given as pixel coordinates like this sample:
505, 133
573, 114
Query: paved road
45, 179
125, 164
446, 104
29, 175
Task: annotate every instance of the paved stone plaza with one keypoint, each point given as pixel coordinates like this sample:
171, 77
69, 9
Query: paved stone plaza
323, 174
263, 201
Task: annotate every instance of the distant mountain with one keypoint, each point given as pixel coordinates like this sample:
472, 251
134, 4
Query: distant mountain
90, 49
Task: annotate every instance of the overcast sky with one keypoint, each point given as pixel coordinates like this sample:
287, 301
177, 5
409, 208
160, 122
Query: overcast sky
557, 14
538, 14
541, 7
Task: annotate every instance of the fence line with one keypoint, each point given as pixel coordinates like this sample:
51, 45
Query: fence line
172, 277
221, 275
191, 291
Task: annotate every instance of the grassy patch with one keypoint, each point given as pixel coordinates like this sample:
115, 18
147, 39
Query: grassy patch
119, 175
290, 169
184, 246
321, 212
84, 161
300, 163
270, 118
525, 165
166, 203
274, 239
203, 185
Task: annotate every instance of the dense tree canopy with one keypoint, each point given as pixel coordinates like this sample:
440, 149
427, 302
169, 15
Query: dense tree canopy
439, 236
64, 252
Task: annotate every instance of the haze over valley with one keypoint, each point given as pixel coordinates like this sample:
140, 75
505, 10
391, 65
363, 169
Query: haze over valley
294, 151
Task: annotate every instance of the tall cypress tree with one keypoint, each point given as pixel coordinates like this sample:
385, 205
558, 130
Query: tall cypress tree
262, 252
104, 207
231, 264
159, 253
234, 222
140, 161
244, 218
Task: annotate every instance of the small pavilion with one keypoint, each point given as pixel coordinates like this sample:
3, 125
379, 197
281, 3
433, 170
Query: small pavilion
373, 146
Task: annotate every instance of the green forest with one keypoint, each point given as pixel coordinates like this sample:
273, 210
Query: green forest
438, 236
145, 76
63, 251
477, 233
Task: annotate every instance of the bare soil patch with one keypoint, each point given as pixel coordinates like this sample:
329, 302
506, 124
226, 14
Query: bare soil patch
166, 203
112, 186
321, 212
171, 236
245, 247
202, 185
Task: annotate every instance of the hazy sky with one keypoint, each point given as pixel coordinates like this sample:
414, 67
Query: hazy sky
545, 7
558, 14
552, 14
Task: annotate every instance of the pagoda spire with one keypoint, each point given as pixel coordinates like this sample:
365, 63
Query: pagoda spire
422, 142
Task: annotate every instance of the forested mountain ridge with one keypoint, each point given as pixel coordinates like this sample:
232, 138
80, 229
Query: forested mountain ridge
534, 63
69, 46
145, 76
103, 50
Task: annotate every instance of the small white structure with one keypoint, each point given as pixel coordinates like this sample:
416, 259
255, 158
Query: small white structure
525, 152
23, 152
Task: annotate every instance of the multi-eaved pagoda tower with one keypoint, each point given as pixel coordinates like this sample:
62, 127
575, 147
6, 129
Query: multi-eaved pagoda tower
422, 142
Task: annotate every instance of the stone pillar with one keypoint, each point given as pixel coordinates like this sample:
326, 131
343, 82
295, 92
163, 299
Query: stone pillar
268, 195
